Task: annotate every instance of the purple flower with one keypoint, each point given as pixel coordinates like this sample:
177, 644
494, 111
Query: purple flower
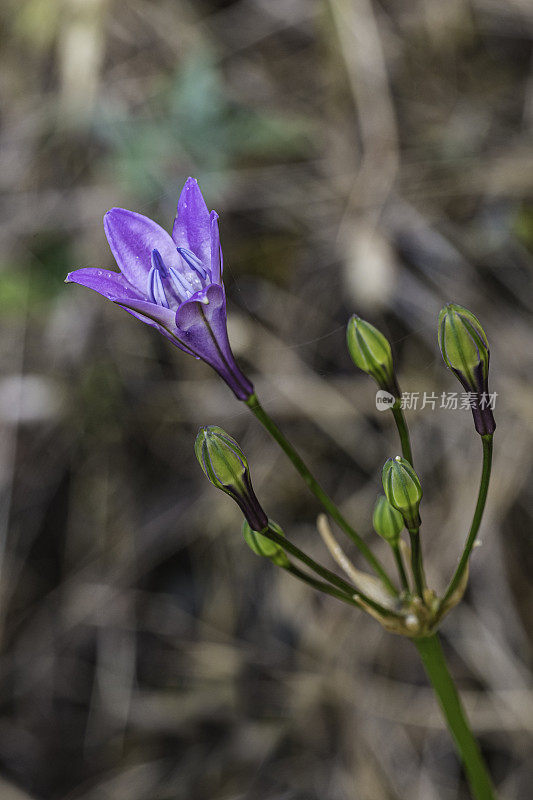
173, 283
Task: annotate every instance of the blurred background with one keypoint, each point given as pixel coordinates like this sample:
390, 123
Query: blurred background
369, 156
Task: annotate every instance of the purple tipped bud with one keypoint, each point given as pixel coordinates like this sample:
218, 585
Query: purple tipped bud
465, 350
226, 466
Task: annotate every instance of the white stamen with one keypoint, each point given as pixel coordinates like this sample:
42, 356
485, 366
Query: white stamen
180, 284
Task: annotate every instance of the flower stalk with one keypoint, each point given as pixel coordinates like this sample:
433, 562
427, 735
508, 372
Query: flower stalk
257, 409
476, 521
331, 577
320, 586
397, 553
416, 561
430, 651
403, 432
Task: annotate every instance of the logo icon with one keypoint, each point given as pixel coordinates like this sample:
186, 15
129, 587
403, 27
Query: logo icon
384, 400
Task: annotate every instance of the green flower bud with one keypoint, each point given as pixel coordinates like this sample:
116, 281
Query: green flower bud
403, 490
226, 466
387, 521
262, 546
465, 351
371, 352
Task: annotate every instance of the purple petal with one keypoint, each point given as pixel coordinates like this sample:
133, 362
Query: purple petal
171, 335
192, 226
159, 314
116, 288
202, 326
110, 284
216, 252
132, 237
204, 303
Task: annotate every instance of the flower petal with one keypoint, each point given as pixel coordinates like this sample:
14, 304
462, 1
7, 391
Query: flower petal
169, 333
110, 284
202, 326
159, 314
216, 252
116, 288
192, 226
132, 237
200, 305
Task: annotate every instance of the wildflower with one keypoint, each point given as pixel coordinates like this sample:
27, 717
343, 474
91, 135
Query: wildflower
173, 283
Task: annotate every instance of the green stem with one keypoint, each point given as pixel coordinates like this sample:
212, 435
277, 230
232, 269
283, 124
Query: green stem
476, 521
401, 568
430, 651
292, 569
416, 561
403, 431
255, 406
340, 583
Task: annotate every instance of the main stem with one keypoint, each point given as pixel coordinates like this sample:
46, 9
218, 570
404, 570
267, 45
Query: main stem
476, 521
255, 406
430, 651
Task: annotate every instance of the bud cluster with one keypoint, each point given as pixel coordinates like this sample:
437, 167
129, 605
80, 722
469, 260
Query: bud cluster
414, 610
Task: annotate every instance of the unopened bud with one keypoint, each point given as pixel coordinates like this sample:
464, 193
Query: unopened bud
465, 350
226, 466
371, 352
387, 521
403, 490
263, 546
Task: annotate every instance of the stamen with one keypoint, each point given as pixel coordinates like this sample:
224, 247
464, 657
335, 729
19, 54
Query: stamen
156, 288
158, 263
180, 284
194, 263
168, 286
